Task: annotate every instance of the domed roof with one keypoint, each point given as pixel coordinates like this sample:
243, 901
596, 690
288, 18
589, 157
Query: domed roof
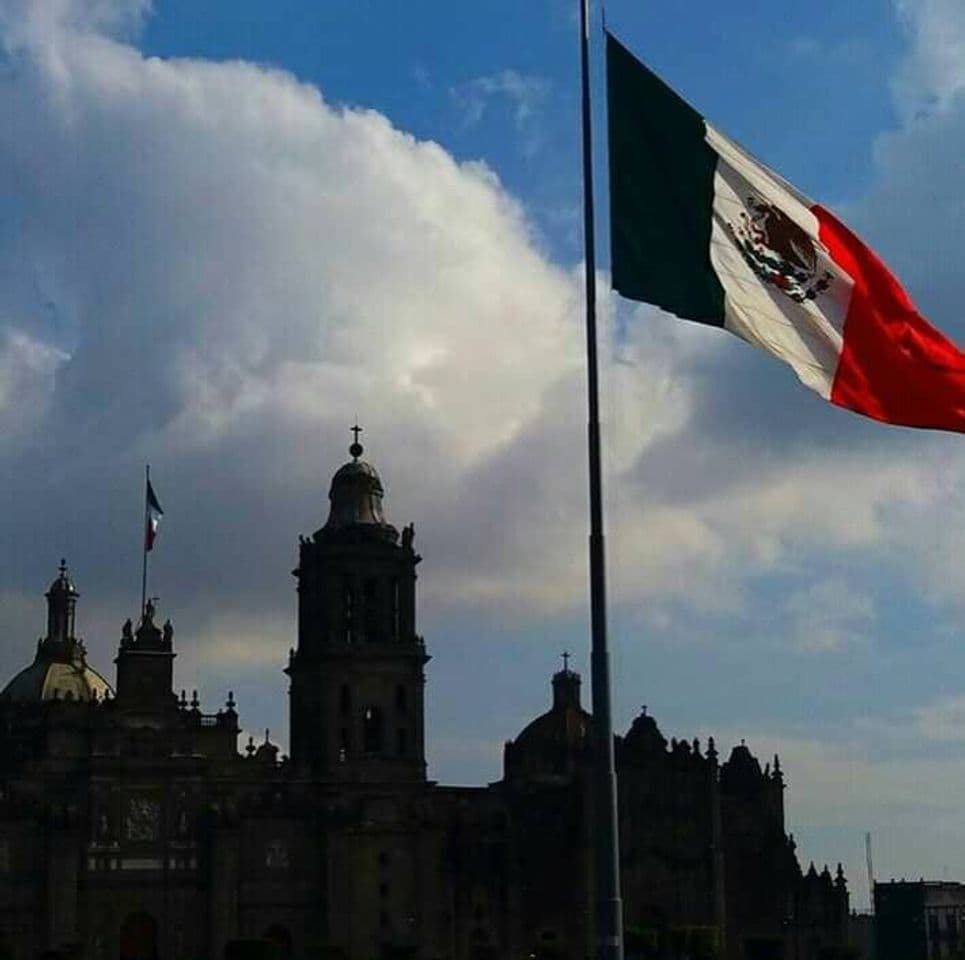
560, 728
553, 744
55, 680
348, 472
59, 670
356, 499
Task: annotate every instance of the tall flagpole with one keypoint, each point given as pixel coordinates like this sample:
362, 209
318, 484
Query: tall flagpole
147, 520
606, 845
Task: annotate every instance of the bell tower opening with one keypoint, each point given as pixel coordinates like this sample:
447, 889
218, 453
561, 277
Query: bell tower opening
373, 730
357, 673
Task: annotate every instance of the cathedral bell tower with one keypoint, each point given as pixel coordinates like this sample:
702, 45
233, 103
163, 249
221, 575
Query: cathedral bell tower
357, 675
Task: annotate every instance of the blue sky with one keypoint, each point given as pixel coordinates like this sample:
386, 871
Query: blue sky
226, 229
818, 81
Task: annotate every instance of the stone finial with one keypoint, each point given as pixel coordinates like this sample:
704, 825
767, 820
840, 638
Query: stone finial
778, 775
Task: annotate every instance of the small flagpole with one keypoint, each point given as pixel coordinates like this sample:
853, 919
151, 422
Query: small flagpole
147, 520
609, 908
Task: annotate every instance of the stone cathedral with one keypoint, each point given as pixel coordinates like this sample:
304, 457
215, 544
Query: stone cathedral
133, 828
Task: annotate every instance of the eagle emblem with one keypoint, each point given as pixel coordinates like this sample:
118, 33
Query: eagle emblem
779, 251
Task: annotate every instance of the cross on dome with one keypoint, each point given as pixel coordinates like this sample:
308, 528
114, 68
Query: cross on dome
356, 449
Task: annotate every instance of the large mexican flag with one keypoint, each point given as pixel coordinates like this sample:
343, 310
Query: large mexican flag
702, 229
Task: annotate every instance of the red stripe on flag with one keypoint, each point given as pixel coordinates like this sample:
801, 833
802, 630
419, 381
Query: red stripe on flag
894, 366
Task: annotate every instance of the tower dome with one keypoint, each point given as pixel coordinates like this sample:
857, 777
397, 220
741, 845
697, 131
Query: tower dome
356, 498
60, 670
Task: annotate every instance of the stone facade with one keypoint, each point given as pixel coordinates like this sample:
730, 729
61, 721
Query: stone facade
919, 920
132, 827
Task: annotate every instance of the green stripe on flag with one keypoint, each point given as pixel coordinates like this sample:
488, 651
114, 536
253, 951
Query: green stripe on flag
661, 194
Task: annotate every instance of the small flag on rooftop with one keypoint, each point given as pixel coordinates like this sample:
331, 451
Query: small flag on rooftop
702, 229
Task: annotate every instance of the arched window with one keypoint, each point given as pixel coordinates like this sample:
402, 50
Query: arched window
371, 611
400, 698
348, 607
345, 700
394, 610
373, 730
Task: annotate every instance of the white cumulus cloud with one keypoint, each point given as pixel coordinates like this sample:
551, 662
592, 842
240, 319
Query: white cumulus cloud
934, 71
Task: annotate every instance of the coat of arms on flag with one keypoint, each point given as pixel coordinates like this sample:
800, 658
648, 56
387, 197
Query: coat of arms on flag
779, 251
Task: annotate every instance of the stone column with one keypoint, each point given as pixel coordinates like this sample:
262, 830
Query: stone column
63, 873
224, 867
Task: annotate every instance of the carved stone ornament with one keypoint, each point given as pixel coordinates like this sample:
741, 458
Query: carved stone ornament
276, 855
143, 820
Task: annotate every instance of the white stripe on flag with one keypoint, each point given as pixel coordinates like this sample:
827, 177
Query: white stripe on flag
807, 335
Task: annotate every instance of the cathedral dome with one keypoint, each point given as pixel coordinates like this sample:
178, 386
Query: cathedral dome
55, 680
554, 743
59, 670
